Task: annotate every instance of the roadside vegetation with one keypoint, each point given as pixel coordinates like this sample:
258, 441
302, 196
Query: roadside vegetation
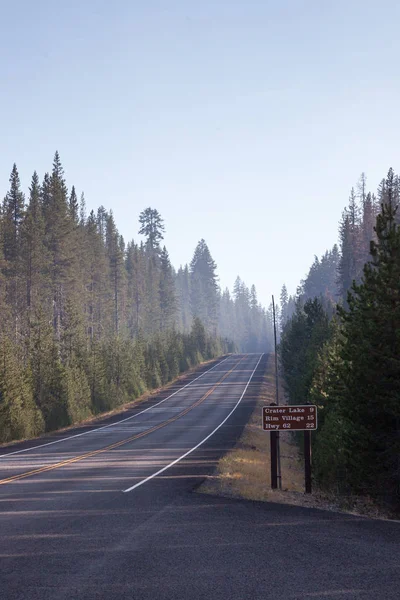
88, 322
340, 349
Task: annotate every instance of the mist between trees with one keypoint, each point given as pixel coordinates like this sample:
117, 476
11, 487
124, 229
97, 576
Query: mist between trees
88, 322
340, 348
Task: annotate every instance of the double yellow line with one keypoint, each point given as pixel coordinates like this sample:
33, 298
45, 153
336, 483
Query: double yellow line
70, 461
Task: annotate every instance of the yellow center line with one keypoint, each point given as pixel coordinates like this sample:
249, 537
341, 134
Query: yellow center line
70, 461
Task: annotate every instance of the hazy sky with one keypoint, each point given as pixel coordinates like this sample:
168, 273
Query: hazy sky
244, 122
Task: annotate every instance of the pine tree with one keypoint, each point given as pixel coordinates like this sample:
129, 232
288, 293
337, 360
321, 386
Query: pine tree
362, 189
237, 288
357, 376
347, 269
19, 416
34, 258
152, 315
253, 298
102, 216
98, 308
167, 292
254, 341
351, 261
368, 222
136, 282
13, 213
183, 298
326, 388
174, 353
74, 205
152, 226
204, 287
85, 323
58, 227
199, 341
97, 380
227, 317
115, 254
82, 210
4, 309
284, 298
302, 339
371, 367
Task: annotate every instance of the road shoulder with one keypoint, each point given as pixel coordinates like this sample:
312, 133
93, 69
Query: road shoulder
244, 471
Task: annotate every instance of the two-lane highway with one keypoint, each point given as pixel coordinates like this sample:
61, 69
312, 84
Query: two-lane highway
152, 436
108, 512
46, 483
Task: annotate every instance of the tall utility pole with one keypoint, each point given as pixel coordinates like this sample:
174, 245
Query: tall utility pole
277, 397
276, 355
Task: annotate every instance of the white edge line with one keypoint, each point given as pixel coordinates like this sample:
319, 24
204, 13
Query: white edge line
200, 443
117, 422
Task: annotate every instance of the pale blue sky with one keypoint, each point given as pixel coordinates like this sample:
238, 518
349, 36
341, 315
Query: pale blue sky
243, 122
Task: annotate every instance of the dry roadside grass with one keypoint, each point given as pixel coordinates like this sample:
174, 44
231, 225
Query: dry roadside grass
244, 472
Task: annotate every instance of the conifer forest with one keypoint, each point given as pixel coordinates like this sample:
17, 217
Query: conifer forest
340, 348
89, 322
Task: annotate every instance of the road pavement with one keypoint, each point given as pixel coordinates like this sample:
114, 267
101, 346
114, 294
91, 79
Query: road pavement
111, 511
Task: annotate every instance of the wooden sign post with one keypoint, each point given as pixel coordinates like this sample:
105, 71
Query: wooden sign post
290, 418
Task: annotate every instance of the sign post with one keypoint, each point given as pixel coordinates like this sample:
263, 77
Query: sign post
274, 453
275, 435
274, 459
307, 461
291, 418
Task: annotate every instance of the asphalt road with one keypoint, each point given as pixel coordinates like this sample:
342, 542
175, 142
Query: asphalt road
111, 512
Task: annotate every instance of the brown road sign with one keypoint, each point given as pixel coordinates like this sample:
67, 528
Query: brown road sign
290, 418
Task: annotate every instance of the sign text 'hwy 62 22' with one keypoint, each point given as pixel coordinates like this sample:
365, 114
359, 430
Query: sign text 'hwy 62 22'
289, 418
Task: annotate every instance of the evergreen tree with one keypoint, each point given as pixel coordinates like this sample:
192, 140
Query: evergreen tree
183, 298
136, 281
58, 227
204, 287
284, 299
152, 313
4, 309
253, 298
82, 210
368, 222
152, 226
102, 217
13, 213
87, 324
97, 278
19, 416
227, 317
167, 292
74, 205
115, 252
362, 189
34, 258
370, 369
302, 339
